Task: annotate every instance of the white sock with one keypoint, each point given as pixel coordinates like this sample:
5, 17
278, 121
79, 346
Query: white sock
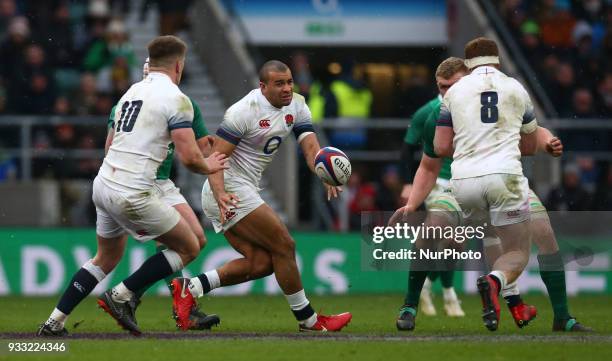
120, 293
56, 320
449, 294
298, 301
195, 287
511, 289
427, 284
501, 277
213, 279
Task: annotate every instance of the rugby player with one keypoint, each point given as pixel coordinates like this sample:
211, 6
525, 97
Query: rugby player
152, 113
251, 133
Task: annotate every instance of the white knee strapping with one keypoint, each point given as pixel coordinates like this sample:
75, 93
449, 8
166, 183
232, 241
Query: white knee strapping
94, 270
173, 258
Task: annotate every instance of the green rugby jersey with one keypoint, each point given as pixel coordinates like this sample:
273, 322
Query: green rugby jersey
163, 172
429, 132
414, 134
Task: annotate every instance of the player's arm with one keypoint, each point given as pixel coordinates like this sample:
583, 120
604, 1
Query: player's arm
529, 138
204, 140
110, 125
424, 181
307, 139
191, 156
225, 200
548, 143
443, 140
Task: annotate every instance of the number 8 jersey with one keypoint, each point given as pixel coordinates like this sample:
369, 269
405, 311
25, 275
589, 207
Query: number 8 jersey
487, 110
144, 117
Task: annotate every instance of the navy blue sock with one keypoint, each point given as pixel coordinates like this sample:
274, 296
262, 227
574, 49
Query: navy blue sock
81, 285
304, 313
513, 300
205, 283
152, 270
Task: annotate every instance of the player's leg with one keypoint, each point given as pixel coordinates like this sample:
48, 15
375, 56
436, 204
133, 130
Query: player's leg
110, 251
147, 217
188, 214
551, 266
256, 263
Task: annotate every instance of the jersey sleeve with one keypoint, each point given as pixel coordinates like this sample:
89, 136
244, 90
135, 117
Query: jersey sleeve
199, 128
111, 119
181, 113
530, 124
303, 124
444, 119
429, 132
234, 127
415, 130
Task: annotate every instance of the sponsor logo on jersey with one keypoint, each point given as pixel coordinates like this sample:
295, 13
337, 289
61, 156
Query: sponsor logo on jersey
264, 123
513, 214
289, 120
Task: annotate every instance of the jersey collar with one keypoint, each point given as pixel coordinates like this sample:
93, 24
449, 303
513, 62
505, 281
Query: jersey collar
156, 74
482, 70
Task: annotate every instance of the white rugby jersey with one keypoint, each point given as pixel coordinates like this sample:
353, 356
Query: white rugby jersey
258, 128
144, 117
487, 110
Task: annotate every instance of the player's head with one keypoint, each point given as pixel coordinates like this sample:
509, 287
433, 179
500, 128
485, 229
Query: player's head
167, 54
481, 51
449, 72
276, 83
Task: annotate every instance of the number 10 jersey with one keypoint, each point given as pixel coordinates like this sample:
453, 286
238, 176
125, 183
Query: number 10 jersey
144, 117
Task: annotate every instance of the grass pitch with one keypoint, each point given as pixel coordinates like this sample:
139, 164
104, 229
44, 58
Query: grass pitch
262, 328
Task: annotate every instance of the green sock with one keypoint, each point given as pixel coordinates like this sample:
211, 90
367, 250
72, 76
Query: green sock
416, 278
553, 275
446, 278
433, 276
167, 279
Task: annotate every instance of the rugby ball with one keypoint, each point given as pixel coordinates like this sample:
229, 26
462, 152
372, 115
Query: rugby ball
332, 166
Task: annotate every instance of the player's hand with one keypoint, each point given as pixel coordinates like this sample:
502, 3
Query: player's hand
227, 202
332, 191
405, 193
216, 162
554, 147
407, 209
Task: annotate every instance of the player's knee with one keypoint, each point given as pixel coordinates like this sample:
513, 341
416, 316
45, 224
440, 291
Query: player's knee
262, 267
107, 261
285, 245
201, 239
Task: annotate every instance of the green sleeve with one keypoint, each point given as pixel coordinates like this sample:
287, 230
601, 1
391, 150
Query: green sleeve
111, 118
429, 132
199, 128
415, 131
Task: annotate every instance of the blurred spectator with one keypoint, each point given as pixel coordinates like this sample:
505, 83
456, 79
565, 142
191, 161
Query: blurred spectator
570, 196
172, 14
12, 52
300, 69
604, 96
603, 195
362, 198
62, 106
563, 89
104, 104
40, 96
388, 194
87, 168
86, 95
556, 24
531, 42
60, 38
413, 92
8, 10
115, 44
116, 79
582, 104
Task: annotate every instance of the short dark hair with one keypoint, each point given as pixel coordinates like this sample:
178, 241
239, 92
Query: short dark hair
449, 67
481, 47
163, 50
271, 65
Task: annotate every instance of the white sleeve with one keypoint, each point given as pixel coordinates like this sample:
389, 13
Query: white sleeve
530, 124
234, 127
180, 113
303, 124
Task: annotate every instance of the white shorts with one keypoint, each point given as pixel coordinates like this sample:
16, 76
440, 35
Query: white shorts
505, 197
248, 200
142, 214
441, 199
169, 192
